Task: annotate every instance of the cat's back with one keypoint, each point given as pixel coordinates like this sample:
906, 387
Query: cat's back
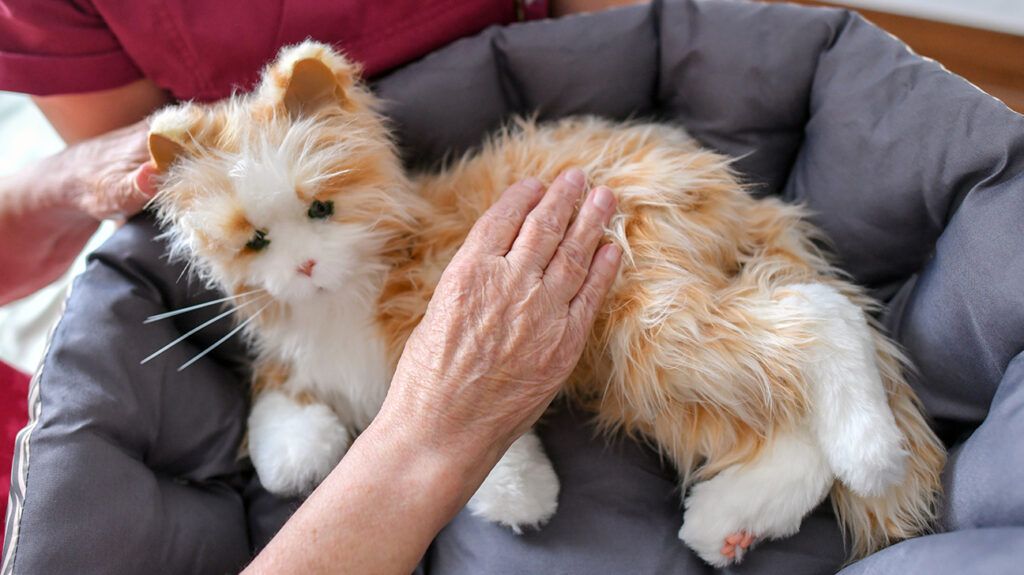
641, 160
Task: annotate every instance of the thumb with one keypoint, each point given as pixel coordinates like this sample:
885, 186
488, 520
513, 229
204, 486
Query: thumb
144, 180
141, 189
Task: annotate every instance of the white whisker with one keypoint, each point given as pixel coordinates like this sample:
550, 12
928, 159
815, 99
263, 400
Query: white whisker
327, 176
184, 270
166, 315
225, 338
199, 327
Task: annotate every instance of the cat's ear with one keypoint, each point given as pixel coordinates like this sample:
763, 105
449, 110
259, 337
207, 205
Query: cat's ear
163, 150
170, 132
308, 76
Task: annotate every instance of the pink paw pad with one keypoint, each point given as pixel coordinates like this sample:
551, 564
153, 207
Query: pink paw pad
736, 544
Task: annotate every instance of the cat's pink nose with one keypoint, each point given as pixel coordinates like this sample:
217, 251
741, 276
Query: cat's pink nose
306, 268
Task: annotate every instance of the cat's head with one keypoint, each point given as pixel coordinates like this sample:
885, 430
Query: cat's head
294, 188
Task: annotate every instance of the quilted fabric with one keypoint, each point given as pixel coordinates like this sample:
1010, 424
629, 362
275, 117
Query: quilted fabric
916, 176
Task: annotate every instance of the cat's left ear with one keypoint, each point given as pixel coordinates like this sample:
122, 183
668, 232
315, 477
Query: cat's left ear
308, 76
172, 131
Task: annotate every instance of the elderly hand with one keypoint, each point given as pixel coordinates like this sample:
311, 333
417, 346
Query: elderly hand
506, 326
509, 318
113, 175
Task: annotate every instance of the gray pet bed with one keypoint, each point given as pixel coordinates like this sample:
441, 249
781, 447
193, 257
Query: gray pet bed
916, 176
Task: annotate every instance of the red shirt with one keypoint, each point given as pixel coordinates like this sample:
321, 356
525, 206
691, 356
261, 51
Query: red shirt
204, 49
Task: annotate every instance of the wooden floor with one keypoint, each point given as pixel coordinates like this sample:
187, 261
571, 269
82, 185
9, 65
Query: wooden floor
993, 61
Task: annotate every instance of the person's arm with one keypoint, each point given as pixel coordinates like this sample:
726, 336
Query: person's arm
50, 209
506, 326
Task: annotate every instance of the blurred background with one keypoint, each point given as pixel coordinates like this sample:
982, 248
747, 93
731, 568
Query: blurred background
981, 40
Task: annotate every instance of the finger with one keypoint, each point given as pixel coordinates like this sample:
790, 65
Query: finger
145, 179
545, 227
140, 189
603, 270
495, 231
569, 266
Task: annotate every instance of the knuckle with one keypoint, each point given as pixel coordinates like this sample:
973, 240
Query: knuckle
576, 258
482, 231
588, 296
546, 223
534, 252
460, 286
505, 214
591, 221
562, 187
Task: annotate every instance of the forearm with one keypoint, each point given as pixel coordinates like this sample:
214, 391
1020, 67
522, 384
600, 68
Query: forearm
48, 211
381, 507
41, 230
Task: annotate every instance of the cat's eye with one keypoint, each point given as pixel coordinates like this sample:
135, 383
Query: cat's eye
259, 241
319, 210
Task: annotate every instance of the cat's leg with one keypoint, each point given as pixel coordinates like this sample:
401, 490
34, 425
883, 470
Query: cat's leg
294, 444
522, 489
765, 498
850, 411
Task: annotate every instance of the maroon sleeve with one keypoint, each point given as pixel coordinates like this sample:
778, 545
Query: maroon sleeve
532, 9
59, 47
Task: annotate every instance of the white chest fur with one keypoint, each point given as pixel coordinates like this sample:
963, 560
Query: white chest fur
335, 352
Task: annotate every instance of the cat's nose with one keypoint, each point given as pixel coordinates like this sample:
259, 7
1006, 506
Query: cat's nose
306, 268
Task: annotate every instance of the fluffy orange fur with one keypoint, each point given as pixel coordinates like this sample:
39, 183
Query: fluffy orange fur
681, 354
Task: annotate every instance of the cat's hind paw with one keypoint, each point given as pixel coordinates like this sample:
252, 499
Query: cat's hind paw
873, 464
763, 499
736, 545
294, 446
716, 537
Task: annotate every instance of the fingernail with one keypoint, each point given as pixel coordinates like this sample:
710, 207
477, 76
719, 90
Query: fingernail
533, 184
575, 176
603, 198
612, 254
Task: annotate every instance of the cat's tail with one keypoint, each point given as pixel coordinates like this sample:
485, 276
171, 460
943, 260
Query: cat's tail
906, 507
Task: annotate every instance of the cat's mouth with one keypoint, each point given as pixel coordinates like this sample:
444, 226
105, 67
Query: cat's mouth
300, 290
308, 278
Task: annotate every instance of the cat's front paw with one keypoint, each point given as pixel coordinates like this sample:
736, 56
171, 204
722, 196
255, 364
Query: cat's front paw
522, 489
294, 446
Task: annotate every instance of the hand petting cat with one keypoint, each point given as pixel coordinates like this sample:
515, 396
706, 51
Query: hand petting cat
505, 327
431, 317
114, 179
510, 317
50, 209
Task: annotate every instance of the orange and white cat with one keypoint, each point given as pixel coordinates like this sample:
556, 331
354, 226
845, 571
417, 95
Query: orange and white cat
728, 340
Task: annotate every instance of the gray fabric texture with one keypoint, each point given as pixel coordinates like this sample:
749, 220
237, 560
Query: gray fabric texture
916, 176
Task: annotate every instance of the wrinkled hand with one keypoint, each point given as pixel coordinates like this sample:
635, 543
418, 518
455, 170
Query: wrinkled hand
113, 177
510, 315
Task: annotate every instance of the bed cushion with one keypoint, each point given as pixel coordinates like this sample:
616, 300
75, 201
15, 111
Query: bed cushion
917, 177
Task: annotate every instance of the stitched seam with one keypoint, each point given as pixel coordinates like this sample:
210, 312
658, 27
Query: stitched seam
23, 446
